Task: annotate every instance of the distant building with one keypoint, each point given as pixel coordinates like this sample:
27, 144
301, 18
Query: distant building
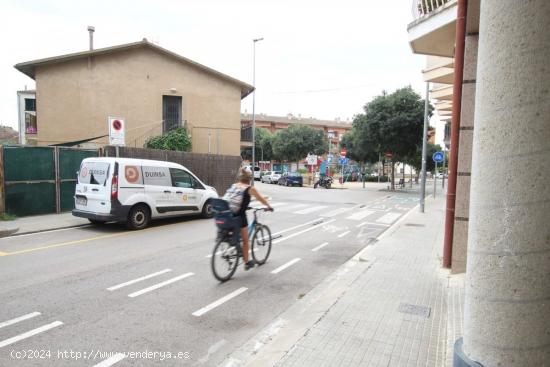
152, 88
333, 129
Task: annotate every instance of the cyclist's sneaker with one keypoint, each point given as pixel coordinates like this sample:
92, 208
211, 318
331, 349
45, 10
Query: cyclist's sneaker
250, 264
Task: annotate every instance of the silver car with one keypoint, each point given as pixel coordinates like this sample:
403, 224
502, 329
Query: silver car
271, 177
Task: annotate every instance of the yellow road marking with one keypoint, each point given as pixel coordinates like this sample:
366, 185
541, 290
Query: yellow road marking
3, 253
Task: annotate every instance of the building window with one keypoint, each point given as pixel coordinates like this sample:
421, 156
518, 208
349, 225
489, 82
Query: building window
30, 123
30, 104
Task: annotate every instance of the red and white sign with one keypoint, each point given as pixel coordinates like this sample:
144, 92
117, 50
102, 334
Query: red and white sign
116, 131
388, 155
343, 152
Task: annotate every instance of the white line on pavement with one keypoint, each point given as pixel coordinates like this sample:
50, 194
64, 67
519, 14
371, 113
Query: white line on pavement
335, 212
360, 215
319, 247
300, 232
219, 302
283, 267
298, 226
372, 224
121, 285
343, 234
111, 360
18, 319
292, 207
160, 285
311, 210
30, 333
388, 218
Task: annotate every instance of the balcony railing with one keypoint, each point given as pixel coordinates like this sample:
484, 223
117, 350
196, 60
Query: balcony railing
246, 134
421, 8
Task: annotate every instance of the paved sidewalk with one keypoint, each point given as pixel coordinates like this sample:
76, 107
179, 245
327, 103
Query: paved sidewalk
391, 305
40, 223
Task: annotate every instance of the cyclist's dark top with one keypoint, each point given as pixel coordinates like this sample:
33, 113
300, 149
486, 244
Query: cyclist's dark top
244, 205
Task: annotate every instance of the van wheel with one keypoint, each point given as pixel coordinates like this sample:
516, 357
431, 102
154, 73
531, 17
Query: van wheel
138, 217
96, 222
207, 210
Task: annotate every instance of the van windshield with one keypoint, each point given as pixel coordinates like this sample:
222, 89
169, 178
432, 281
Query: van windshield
94, 173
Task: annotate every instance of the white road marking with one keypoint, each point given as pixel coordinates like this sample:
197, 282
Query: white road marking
283, 267
18, 319
160, 285
388, 218
371, 224
343, 234
122, 285
111, 360
360, 215
319, 247
292, 207
219, 302
298, 226
300, 232
30, 333
335, 212
311, 209
277, 204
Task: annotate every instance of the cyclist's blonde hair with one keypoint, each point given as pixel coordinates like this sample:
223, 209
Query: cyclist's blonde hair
244, 175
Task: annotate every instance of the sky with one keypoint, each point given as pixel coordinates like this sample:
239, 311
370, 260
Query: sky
321, 59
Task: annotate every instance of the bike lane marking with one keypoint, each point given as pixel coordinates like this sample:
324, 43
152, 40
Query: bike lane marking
284, 266
160, 285
133, 281
219, 302
343, 234
30, 333
300, 232
111, 360
19, 319
319, 247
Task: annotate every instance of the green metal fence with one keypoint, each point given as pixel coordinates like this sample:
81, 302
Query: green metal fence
40, 180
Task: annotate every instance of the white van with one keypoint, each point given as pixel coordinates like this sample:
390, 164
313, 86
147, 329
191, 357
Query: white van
135, 191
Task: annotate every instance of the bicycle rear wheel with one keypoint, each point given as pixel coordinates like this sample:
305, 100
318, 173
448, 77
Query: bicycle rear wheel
261, 244
224, 261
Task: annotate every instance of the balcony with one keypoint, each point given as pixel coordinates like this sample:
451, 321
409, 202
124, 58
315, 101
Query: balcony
433, 30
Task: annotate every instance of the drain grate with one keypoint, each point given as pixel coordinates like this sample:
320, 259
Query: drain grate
414, 310
415, 225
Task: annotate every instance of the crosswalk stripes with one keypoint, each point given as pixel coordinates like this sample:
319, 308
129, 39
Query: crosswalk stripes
311, 209
388, 218
27, 334
360, 215
336, 212
291, 208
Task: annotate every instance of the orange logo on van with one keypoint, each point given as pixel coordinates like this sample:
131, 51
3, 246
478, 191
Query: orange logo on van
131, 173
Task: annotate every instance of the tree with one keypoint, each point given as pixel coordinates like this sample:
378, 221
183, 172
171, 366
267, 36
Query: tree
176, 139
360, 151
294, 143
264, 140
392, 123
415, 159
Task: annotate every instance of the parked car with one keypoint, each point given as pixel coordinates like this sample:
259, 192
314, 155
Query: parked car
134, 191
291, 179
271, 177
257, 172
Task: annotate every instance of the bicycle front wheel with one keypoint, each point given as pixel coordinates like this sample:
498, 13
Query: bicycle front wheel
225, 259
261, 244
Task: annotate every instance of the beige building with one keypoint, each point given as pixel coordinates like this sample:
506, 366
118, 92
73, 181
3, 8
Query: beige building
151, 88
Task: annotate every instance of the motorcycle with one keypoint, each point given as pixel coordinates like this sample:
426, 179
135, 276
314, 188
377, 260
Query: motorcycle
325, 182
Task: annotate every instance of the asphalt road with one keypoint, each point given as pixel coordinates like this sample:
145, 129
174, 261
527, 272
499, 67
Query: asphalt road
95, 295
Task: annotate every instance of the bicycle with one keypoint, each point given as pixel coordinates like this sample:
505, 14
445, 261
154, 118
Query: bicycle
226, 254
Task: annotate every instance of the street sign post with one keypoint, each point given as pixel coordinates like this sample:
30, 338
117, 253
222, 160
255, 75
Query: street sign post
116, 131
437, 157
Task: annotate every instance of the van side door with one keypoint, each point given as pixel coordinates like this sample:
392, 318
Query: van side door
158, 186
186, 197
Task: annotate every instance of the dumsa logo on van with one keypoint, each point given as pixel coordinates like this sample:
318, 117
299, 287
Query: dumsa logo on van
131, 173
155, 174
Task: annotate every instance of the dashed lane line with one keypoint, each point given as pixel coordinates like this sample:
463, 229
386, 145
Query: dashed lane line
19, 319
389, 218
111, 360
160, 285
284, 266
319, 247
219, 302
300, 232
30, 333
133, 281
343, 234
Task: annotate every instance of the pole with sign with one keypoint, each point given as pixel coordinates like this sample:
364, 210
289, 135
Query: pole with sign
437, 158
116, 131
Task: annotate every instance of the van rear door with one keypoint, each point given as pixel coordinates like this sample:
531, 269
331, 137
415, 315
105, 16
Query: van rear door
93, 188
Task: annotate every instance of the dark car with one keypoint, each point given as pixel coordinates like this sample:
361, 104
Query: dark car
291, 179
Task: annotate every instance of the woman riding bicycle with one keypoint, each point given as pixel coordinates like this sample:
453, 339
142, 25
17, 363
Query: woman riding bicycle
240, 193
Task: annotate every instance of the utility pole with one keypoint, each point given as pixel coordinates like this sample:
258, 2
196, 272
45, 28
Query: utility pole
254, 109
424, 148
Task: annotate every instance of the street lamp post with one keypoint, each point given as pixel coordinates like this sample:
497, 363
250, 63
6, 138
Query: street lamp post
254, 108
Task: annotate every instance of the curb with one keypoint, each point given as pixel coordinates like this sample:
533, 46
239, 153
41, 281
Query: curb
48, 230
8, 231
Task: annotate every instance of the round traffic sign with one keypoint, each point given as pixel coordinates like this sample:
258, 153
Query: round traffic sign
438, 157
343, 152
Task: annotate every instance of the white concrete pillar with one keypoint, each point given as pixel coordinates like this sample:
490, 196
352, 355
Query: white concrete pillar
507, 304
